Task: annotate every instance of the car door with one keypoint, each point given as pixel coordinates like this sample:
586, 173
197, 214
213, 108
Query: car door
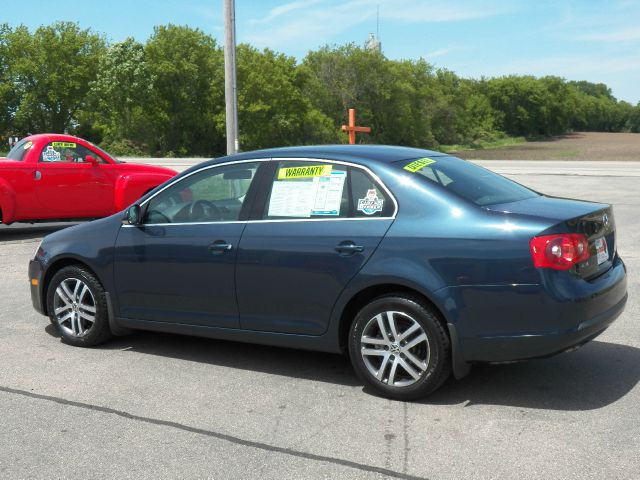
316, 224
67, 185
178, 266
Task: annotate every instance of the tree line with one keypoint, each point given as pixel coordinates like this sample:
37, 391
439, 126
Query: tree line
166, 96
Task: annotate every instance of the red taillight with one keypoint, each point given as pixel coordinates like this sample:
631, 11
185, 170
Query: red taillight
559, 252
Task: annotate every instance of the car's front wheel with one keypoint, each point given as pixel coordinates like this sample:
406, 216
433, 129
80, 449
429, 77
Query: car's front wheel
398, 345
77, 305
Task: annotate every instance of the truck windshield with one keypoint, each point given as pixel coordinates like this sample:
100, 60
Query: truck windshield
105, 154
467, 180
19, 150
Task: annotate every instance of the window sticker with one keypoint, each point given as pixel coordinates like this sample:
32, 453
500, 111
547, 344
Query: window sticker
318, 195
329, 194
50, 155
304, 172
419, 164
371, 203
292, 199
63, 144
28, 145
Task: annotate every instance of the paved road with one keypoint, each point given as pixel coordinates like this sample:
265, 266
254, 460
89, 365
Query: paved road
152, 405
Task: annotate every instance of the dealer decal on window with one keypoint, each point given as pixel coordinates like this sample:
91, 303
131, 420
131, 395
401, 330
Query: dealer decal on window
371, 203
419, 164
50, 154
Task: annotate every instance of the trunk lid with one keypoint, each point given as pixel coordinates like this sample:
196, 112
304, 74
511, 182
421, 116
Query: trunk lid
594, 220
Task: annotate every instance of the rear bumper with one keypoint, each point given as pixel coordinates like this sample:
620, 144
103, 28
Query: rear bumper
522, 347
36, 273
511, 323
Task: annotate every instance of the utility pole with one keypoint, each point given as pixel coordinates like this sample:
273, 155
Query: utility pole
230, 87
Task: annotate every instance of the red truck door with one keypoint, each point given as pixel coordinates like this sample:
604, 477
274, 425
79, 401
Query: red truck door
69, 186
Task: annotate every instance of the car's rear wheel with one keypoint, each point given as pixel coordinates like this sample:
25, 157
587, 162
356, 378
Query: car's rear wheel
77, 306
399, 346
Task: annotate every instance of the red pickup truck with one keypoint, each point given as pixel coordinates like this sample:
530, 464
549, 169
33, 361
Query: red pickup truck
50, 177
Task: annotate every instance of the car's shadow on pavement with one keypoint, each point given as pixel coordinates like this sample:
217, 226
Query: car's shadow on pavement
592, 377
595, 376
17, 232
318, 366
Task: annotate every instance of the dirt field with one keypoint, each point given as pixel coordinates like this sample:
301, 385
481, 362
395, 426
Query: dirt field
575, 146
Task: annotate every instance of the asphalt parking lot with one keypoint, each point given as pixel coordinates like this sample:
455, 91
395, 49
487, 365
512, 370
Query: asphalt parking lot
160, 406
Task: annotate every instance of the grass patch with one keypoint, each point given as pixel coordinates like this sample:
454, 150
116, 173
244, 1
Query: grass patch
567, 153
484, 145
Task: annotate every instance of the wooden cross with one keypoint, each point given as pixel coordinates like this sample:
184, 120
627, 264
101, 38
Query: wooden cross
352, 129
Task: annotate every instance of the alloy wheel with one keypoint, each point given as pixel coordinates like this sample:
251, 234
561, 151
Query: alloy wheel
74, 307
395, 349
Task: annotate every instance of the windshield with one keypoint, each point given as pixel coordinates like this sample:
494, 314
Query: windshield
19, 150
467, 180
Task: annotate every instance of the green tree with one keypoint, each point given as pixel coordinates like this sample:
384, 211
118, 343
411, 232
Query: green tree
633, 123
8, 92
53, 69
272, 108
188, 91
118, 106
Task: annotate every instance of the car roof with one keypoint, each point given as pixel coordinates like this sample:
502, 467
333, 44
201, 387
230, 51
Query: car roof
62, 136
363, 154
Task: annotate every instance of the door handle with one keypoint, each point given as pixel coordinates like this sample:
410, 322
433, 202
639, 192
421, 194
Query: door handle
220, 246
37, 175
348, 248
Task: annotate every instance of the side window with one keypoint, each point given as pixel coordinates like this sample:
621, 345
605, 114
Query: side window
215, 194
367, 197
308, 190
66, 152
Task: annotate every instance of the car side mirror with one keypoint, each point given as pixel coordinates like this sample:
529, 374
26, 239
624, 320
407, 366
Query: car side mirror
133, 215
91, 159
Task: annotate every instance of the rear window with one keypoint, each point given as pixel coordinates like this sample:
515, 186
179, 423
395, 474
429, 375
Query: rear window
19, 150
467, 180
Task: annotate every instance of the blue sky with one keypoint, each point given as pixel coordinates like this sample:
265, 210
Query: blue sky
593, 40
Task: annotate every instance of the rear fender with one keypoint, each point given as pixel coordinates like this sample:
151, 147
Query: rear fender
130, 187
7, 202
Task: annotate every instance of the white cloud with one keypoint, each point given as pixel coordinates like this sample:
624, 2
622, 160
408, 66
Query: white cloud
438, 53
283, 10
440, 12
631, 34
317, 22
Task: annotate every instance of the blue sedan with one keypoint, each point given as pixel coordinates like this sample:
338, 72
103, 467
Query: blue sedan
416, 263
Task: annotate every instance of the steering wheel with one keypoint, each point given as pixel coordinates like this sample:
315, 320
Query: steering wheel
203, 210
155, 216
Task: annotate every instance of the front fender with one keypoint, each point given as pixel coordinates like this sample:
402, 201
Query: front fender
7, 202
131, 186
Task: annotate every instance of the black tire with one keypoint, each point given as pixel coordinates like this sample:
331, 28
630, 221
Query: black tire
89, 333
434, 349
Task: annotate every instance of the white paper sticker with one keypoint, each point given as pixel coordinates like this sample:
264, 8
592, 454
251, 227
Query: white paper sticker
310, 196
329, 194
601, 250
50, 155
292, 198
